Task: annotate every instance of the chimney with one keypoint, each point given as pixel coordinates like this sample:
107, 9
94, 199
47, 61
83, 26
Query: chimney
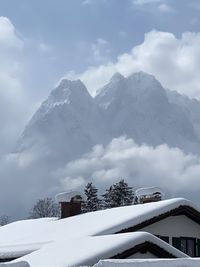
70, 203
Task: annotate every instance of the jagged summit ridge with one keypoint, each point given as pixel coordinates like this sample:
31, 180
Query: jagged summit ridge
70, 121
117, 77
67, 88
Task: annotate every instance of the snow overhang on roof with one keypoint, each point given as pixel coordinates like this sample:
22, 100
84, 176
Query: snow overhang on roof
89, 250
148, 191
130, 218
67, 196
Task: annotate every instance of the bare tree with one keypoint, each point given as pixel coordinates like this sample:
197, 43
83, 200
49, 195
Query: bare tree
45, 208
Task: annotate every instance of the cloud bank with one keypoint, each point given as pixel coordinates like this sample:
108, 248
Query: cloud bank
175, 172
174, 61
26, 177
12, 94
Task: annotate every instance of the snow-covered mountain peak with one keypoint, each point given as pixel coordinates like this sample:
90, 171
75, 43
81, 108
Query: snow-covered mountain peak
143, 79
70, 121
66, 88
111, 91
117, 77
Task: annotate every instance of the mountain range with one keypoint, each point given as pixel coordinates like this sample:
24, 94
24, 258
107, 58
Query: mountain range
70, 121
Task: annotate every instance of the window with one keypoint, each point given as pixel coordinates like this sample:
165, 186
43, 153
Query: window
186, 245
198, 248
164, 238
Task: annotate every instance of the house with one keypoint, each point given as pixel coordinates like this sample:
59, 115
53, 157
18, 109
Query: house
164, 229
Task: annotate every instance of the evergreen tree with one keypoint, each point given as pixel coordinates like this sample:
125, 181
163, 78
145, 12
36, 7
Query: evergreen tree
119, 194
108, 198
92, 202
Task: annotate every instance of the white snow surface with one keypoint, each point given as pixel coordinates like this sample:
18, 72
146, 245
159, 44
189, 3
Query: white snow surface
36, 233
15, 264
150, 263
89, 250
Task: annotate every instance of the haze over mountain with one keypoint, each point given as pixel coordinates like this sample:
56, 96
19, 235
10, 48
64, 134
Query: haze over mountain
70, 122
66, 125
133, 128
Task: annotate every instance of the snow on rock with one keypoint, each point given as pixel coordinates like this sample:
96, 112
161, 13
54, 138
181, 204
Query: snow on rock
88, 250
150, 263
66, 125
138, 107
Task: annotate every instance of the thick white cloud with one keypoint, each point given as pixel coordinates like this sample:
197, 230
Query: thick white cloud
165, 8
12, 95
8, 36
24, 177
174, 61
175, 172
100, 51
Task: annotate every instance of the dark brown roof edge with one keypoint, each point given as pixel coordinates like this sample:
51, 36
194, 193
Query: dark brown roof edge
144, 247
181, 210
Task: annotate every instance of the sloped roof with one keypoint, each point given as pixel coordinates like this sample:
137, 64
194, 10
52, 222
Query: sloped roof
38, 232
22, 237
89, 250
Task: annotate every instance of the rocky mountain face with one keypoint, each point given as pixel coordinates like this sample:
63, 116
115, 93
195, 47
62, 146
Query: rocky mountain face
70, 121
66, 125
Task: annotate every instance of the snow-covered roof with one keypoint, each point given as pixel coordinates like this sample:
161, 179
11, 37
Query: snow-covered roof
20, 237
89, 250
190, 262
41, 231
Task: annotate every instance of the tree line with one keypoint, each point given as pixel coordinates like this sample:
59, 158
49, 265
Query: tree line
118, 194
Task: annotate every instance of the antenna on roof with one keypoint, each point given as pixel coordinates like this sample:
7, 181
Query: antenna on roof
148, 194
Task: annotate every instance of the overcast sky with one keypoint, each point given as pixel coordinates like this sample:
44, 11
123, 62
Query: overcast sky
42, 41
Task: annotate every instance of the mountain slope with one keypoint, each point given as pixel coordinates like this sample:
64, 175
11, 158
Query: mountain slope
66, 125
70, 122
139, 108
